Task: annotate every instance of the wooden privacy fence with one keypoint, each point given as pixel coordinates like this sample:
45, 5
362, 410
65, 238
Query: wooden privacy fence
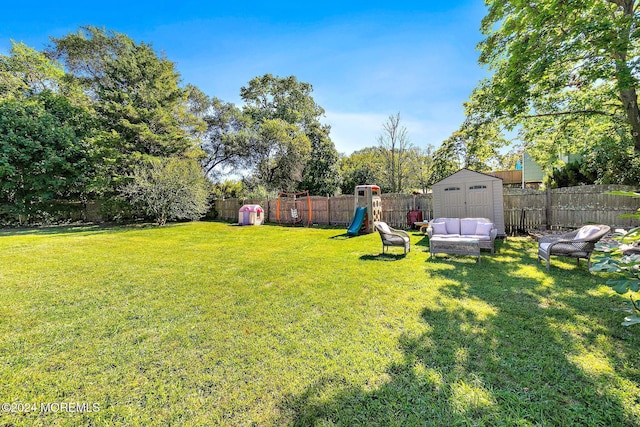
337, 210
569, 207
524, 209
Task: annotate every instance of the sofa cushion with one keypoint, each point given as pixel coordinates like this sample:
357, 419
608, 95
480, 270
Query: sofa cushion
484, 228
483, 237
439, 228
468, 226
384, 227
453, 225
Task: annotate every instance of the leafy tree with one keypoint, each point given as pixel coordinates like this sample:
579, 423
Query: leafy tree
168, 189
446, 160
564, 73
229, 139
136, 92
362, 167
228, 189
321, 175
45, 152
571, 174
420, 166
394, 144
281, 153
270, 99
26, 71
284, 98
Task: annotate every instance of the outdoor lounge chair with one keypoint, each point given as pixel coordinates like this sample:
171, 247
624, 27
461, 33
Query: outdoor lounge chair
577, 244
392, 237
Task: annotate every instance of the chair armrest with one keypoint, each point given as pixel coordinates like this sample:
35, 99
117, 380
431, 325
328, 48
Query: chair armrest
399, 232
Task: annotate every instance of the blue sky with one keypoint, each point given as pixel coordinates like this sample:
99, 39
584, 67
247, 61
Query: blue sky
366, 61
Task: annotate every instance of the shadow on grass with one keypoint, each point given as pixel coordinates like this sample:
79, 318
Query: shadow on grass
506, 346
383, 257
71, 229
344, 236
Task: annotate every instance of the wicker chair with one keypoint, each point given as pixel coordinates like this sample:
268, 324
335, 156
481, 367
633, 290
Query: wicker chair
392, 237
577, 244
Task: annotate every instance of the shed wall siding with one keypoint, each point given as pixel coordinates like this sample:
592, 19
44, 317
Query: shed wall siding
464, 178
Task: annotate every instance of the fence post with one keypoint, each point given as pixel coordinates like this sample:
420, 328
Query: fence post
548, 209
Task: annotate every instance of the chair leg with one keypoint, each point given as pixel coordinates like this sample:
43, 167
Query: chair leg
549, 264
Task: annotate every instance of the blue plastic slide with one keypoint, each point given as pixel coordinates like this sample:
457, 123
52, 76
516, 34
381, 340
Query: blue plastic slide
356, 222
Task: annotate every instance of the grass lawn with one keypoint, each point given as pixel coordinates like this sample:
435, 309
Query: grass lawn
212, 324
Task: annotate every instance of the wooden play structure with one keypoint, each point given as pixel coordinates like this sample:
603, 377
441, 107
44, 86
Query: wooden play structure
294, 208
367, 210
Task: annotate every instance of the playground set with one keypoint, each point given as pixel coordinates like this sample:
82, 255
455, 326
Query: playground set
294, 208
367, 210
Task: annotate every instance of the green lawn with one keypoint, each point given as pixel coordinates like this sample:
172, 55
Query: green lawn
212, 324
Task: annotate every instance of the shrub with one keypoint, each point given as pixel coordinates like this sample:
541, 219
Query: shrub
622, 264
169, 189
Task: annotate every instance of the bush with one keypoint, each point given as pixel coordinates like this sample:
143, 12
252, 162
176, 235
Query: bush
621, 264
169, 189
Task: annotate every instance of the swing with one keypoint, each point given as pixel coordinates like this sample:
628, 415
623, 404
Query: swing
290, 210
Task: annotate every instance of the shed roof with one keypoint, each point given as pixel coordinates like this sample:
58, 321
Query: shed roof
466, 173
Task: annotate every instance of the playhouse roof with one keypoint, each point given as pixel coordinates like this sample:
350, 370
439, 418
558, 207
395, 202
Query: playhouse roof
251, 208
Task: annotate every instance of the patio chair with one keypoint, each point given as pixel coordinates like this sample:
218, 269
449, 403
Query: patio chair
392, 237
577, 244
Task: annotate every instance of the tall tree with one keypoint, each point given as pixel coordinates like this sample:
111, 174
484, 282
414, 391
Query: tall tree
420, 166
229, 139
284, 98
45, 152
394, 143
280, 155
321, 174
362, 167
272, 101
25, 71
137, 93
559, 67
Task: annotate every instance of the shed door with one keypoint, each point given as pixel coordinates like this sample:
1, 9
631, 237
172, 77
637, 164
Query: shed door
479, 197
453, 199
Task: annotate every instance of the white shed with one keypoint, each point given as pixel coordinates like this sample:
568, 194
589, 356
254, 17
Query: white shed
469, 194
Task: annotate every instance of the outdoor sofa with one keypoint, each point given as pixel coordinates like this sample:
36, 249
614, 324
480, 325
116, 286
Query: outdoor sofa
481, 229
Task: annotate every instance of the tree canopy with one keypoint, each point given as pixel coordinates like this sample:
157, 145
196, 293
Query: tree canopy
286, 119
136, 92
44, 153
565, 75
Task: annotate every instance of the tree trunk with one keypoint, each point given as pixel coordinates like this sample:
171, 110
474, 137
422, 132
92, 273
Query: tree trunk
624, 74
629, 100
